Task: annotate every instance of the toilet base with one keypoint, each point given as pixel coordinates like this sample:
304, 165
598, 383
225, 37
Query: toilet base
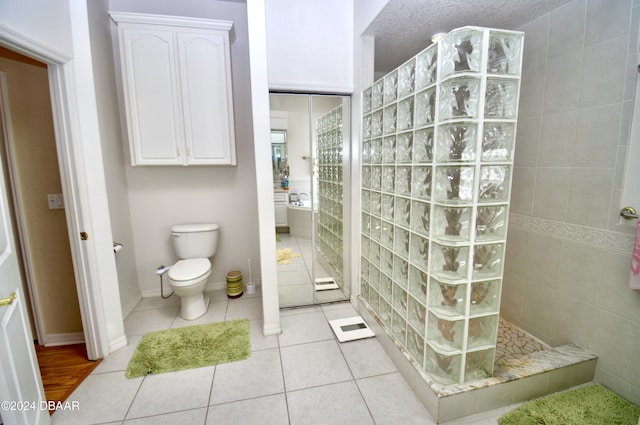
193, 306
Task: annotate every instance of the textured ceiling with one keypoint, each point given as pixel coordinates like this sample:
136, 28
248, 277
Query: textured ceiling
404, 27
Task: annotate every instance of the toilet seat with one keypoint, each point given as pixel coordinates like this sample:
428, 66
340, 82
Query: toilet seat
188, 272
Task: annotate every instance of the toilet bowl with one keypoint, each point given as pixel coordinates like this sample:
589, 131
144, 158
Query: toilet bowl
187, 279
194, 244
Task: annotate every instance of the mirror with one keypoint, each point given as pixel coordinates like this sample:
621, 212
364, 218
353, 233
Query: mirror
311, 235
279, 155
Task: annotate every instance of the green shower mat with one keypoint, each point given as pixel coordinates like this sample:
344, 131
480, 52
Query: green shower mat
591, 405
190, 347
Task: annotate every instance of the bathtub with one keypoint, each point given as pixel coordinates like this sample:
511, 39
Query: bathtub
299, 217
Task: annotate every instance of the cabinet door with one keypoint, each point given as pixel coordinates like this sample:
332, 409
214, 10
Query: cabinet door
281, 215
206, 97
151, 96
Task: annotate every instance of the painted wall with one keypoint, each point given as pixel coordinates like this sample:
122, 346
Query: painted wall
160, 197
363, 76
113, 152
36, 175
297, 109
309, 45
567, 266
46, 22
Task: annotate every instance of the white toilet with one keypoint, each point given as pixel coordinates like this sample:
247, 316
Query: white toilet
194, 244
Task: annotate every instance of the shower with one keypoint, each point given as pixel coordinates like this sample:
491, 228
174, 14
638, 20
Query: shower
439, 135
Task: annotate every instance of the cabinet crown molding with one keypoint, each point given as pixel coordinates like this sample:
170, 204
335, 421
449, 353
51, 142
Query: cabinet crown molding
177, 21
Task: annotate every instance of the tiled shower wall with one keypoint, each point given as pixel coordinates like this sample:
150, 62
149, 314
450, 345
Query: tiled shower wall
567, 266
438, 139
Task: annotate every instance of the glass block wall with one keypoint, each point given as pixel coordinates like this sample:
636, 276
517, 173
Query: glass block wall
437, 153
329, 155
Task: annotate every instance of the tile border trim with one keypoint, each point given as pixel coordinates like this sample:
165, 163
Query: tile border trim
619, 243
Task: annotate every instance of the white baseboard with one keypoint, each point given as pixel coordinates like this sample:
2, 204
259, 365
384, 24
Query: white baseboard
215, 286
271, 330
118, 343
128, 308
52, 340
150, 293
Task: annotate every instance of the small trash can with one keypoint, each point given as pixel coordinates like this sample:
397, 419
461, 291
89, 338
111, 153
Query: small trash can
234, 284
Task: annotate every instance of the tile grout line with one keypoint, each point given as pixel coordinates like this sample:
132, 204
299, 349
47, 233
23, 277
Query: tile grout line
215, 370
133, 399
353, 378
209, 399
284, 382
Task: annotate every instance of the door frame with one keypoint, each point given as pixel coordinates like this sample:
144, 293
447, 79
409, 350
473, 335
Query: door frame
67, 135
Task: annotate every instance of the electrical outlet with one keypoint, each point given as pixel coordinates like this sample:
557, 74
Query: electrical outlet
56, 201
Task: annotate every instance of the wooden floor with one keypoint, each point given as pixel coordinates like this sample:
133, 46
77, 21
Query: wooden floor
63, 368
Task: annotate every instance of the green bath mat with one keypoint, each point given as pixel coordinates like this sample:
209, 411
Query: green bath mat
592, 405
190, 347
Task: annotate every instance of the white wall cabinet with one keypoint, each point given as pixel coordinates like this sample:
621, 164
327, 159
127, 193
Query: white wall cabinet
176, 80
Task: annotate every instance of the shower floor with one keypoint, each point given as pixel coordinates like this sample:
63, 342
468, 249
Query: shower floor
525, 368
514, 342
520, 356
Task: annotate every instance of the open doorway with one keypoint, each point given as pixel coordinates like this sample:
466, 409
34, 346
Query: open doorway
30, 160
30, 163
309, 175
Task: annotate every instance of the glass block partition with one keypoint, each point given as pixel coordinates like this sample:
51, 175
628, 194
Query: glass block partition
330, 222
437, 154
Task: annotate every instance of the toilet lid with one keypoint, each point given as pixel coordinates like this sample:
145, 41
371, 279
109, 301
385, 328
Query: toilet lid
189, 269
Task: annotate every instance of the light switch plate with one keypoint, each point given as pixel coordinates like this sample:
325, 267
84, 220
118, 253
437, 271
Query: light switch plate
56, 201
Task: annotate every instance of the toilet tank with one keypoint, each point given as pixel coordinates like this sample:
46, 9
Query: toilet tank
195, 240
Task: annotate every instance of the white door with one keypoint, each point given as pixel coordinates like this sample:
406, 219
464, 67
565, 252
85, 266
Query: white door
22, 399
